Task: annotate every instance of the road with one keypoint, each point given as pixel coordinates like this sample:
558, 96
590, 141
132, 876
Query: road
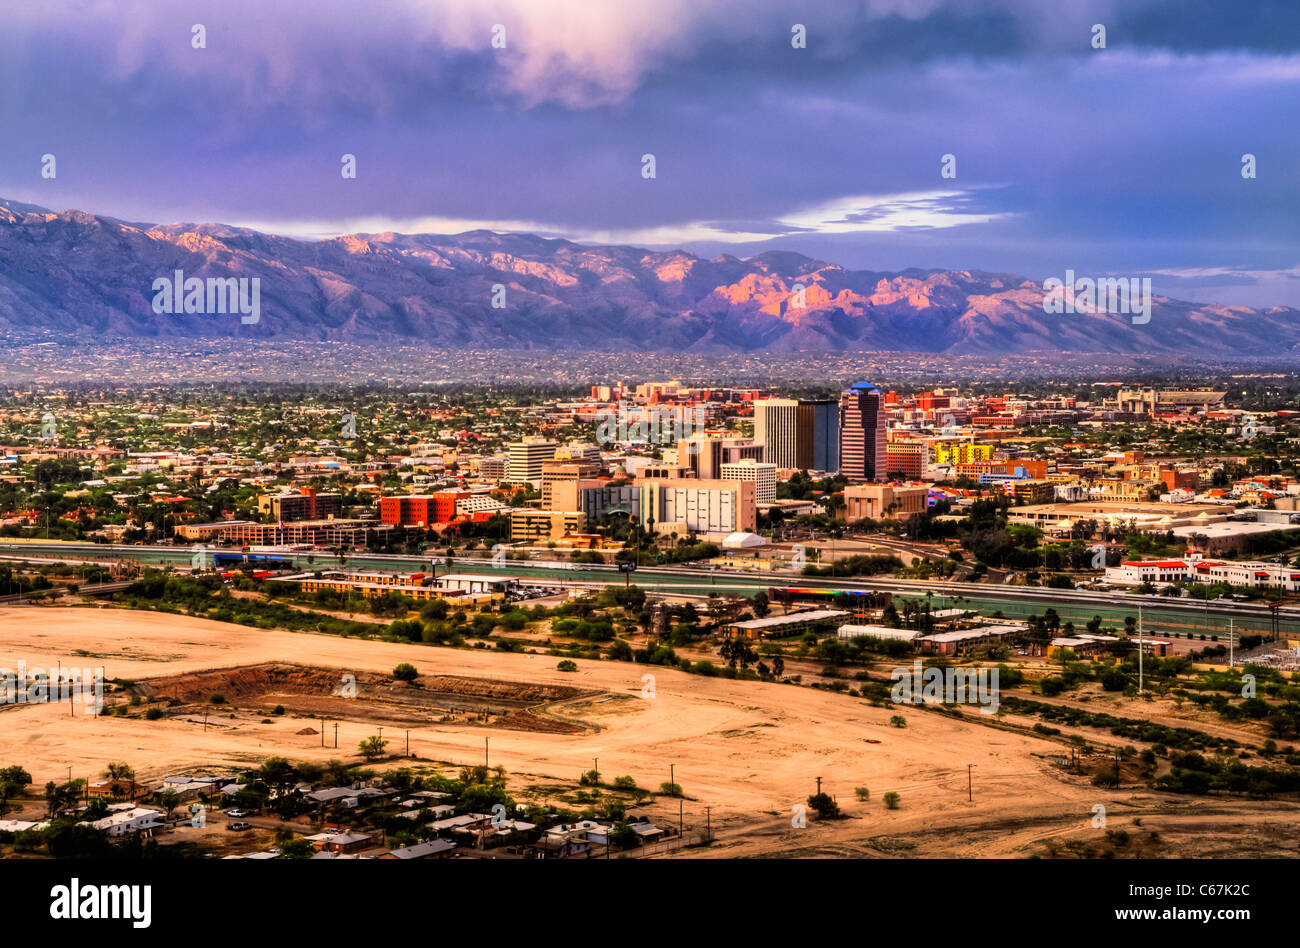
1161, 615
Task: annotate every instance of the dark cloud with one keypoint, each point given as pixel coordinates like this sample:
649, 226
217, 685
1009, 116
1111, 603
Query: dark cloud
1119, 160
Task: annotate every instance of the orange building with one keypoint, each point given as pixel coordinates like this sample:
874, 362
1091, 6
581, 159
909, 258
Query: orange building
421, 509
907, 458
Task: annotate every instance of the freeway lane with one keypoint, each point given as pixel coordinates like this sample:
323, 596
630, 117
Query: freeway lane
1160, 614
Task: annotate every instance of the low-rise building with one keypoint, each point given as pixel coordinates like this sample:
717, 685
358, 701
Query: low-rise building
540, 526
884, 501
796, 623
961, 641
433, 849
342, 842
301, 504
1194, 569
127, 818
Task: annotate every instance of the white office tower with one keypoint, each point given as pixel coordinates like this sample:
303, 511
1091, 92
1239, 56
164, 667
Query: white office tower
775, 424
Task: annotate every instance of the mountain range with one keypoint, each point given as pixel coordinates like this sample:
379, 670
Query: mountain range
86, 276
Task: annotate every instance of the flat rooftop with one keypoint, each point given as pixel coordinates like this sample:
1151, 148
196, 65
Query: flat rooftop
1103, 508
877, 632
794, 618
962, 635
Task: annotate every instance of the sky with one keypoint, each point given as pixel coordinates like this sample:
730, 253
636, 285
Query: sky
1122, 160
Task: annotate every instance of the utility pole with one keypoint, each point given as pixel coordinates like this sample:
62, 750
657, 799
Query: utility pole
1231, 643
408, 742
970, 794
819, 786
708, 823
485, 753
672, 780
1139, 649
322, 732
336, 733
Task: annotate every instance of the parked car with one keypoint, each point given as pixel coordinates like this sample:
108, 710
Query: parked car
239, 825
235, 814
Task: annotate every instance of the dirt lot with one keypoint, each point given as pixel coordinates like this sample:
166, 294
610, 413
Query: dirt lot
274, 688
749, 750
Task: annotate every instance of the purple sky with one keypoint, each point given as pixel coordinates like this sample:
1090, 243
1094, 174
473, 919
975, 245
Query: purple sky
1124, 160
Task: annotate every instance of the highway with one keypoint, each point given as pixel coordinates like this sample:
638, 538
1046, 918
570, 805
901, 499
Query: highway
1160, 613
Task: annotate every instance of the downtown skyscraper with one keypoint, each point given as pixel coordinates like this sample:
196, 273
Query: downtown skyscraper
862, 433
799, 434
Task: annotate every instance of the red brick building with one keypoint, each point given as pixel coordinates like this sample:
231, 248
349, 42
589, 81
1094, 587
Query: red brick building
420, 510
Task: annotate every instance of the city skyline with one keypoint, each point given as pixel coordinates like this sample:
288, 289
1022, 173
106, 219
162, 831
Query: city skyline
490, 434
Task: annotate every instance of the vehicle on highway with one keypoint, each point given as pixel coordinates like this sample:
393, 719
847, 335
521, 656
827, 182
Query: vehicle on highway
235, 814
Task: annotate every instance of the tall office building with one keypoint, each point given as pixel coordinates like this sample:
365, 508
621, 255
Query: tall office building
862, 433
802, 434
817, 435
705, 454
775, 423
525, 459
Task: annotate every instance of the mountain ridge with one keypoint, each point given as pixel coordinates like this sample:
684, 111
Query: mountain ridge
77, 274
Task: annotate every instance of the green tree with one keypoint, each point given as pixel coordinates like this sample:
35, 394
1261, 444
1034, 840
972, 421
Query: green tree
296, 849
825, 806
168, 799
622, 836
372, 748
13, 781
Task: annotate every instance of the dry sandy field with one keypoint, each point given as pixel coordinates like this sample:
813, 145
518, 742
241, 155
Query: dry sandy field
749, 751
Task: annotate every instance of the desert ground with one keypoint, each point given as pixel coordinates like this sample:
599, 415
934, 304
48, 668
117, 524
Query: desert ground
748, 751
